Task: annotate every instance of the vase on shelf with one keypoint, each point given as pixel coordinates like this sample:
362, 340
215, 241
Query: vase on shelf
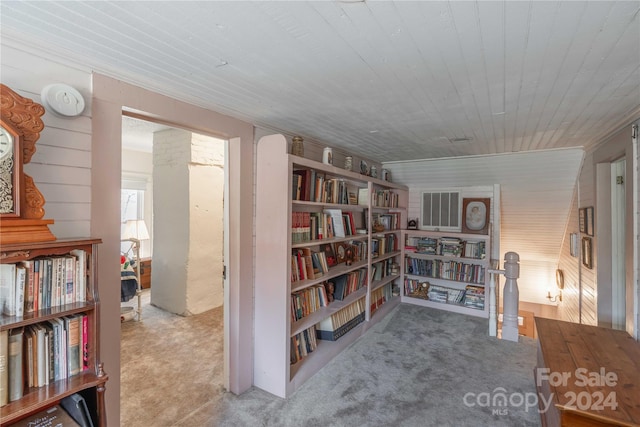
348, 163
297, 148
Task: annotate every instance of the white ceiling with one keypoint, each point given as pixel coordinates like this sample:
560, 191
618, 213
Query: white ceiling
385, 80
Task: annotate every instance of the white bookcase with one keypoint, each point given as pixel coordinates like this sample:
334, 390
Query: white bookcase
274, 326
454, 272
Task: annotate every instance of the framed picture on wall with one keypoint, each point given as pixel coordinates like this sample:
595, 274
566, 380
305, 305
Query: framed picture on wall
588, 219
587, 252
475, 215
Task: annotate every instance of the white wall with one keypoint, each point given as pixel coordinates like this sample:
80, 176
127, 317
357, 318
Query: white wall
61, 166
581, 298
536, 189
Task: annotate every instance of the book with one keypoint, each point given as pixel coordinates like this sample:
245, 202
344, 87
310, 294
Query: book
74, 332
30, 291
4, 367
16, 379
69, 279
8, 289
85, 342
21, 282
337, 222
54, 416
81, 276
76, 407
363, 196
340, 287
40, 356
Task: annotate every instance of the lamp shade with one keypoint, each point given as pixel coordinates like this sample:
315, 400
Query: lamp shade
135, 229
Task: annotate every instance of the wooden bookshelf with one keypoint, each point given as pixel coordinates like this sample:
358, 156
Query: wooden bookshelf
454, 266
275, 204
90, 381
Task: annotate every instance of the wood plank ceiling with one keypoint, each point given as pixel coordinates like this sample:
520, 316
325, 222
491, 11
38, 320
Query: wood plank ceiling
386, 80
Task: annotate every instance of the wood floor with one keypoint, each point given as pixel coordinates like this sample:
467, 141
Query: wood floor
170, 365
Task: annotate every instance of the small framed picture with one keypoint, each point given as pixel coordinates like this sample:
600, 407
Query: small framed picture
581, 221
475, 215
587, 252
573, 242
588, 219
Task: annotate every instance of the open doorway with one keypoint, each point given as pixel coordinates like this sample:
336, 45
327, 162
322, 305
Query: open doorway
178, 191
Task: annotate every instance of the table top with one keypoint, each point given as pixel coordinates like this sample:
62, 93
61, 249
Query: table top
592, 371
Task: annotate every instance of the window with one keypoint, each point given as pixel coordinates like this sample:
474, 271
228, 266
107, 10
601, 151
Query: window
440, 211
131, 204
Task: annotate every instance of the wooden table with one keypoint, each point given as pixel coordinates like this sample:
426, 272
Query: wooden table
590, 376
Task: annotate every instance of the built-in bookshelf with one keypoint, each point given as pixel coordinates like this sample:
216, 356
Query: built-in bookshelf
328, 262
447, 271
49, 329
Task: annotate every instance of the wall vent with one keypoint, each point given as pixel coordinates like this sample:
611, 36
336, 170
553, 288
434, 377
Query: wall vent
441, 211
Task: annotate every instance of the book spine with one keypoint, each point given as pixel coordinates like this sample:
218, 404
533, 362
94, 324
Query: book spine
8, 289
4, 367
21, 277
15, 365
85, 342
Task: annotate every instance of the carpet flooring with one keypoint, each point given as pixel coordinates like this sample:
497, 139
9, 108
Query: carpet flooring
417, 367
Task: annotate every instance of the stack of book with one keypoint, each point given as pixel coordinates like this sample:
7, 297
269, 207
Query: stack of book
474, 297
474, 249
450, 246
342, 321
426, 245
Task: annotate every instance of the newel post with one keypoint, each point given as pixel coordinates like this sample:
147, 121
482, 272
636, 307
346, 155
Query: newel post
510, 297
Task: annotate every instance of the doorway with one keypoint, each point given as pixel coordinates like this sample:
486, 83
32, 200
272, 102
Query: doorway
157, 183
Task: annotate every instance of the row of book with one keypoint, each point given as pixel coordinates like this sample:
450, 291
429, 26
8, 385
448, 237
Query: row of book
306, 226
379, 198
348, 283
450, 270
41, 283
381, 245
302, 344
342, 321
382, 269
308, 300
42, 353
307, 264
447, 246
472, 296
380, 296
312, 186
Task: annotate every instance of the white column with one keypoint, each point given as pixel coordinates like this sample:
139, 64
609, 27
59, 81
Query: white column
510, 297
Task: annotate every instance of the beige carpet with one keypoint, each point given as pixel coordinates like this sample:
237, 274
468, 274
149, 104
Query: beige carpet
170, 366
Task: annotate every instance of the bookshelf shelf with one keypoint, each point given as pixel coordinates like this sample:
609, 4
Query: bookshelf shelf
86, 375
304, 183
461, 281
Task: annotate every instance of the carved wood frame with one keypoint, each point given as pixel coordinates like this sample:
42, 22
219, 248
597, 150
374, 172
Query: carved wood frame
24, 116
